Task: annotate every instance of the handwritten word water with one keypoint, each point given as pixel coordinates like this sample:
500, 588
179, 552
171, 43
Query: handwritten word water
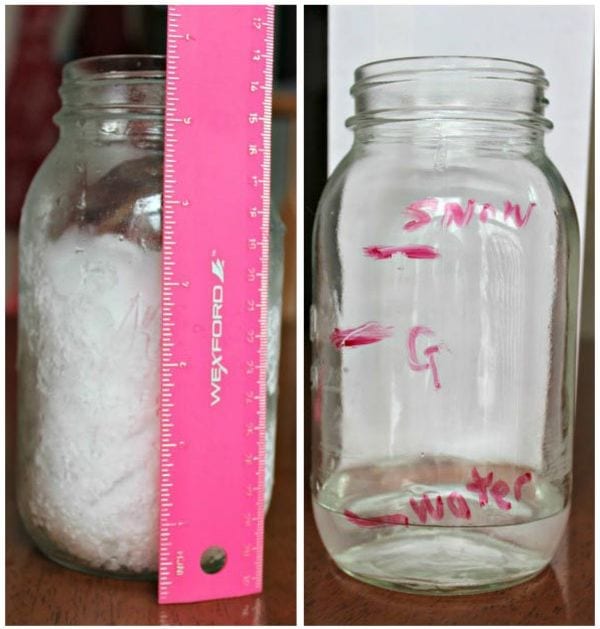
483, 486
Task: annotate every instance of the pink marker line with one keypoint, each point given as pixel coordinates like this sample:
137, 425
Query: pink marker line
384, 252
365, 334
376, 520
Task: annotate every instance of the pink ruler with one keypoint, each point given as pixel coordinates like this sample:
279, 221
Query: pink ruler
214, 308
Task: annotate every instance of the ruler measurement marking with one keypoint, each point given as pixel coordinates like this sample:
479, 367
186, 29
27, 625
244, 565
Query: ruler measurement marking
173, 291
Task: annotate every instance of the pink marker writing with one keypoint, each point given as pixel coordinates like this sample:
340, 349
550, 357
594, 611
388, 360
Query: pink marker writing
480, 484
416, 252
413, 361
426, 508
514, 210
422, 212
458, 506
521, 480
500, 489
376, 520
365, 334
454, 213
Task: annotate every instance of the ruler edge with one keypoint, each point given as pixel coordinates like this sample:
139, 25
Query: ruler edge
265, 280
269, 40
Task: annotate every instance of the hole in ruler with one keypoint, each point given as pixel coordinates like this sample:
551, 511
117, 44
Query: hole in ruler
213, 559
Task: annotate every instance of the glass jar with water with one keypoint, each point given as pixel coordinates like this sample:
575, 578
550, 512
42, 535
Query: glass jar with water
446, 261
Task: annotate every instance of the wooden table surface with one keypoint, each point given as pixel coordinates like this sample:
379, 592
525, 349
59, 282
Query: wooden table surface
39, 592
561, 595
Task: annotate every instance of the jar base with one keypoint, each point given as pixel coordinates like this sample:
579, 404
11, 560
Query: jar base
52, 551
93, 572
441, 564
433, 589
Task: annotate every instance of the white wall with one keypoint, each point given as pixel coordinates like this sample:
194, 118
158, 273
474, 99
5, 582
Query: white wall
557, 38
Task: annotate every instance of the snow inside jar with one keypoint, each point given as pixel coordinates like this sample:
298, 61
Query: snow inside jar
89, 324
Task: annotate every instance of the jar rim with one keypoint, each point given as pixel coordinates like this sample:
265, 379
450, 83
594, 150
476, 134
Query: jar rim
450, 88
406, 68
115, 67
115, 86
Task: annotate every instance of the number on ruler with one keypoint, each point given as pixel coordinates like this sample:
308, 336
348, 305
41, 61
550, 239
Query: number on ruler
255, 29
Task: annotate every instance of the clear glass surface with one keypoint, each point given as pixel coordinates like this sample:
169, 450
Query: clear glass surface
443, 327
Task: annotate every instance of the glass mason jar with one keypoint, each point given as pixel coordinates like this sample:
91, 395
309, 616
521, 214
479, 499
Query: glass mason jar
446, 263
89, 324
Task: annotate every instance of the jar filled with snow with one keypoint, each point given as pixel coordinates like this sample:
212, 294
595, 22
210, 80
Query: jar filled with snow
89, 324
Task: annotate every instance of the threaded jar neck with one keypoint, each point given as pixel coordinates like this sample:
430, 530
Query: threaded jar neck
451, 95
116, 88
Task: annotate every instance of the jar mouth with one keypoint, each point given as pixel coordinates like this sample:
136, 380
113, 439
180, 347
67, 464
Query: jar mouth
113, 87
450, 88
115, 67
412, 68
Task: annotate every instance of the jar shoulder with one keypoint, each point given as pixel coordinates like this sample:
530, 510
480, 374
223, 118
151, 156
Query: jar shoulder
109, 188
379, 181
